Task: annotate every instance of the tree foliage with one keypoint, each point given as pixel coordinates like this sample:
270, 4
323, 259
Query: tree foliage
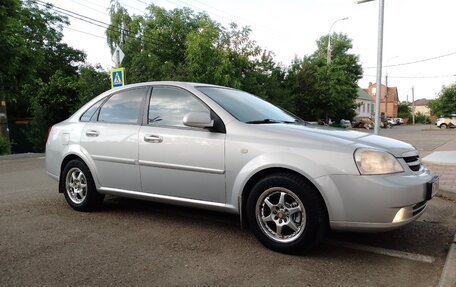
404, 110
445, 104
321, 90
42, 77
181, 45
45, 79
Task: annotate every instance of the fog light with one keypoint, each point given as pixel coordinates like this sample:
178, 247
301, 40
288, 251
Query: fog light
400, 215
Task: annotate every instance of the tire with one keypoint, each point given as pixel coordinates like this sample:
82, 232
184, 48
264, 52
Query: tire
289, 201
77, 185
443, 126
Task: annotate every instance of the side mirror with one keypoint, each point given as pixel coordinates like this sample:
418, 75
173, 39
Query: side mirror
198, 120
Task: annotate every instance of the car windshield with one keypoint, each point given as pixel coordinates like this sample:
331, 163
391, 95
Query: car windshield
246, 107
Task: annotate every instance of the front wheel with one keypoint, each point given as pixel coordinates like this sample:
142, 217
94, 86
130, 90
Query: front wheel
443, 126
78, 187
286, 213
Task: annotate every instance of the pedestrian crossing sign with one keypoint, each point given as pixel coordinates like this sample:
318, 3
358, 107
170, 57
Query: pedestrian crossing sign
117, 77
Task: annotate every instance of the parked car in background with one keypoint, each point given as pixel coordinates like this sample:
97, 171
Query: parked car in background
391, 121
395, 121
444, 122
223, 149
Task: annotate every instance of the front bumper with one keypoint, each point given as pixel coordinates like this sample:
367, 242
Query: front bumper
376, 203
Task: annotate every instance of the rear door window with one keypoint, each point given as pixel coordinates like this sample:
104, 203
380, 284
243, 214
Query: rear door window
123, 107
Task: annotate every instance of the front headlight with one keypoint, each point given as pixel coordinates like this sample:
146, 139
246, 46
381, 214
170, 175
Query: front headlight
371, 162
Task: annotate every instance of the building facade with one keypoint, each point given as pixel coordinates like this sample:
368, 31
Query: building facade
365, 105
389, 99
421, 106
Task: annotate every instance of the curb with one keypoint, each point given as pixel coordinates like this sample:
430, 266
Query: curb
21, 156
448, 277
447, 194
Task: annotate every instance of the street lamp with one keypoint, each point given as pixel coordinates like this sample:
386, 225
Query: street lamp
328, 51
381, 9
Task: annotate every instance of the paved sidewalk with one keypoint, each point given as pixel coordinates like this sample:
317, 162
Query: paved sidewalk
442, 162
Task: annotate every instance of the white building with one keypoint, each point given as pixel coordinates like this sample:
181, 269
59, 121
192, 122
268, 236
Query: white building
365, 105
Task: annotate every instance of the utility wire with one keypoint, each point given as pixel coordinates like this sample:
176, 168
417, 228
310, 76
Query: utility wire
91, 8
87, 33
94, 22
131, 7
415, 62
73, 14
415, 77
266, 30
94, 4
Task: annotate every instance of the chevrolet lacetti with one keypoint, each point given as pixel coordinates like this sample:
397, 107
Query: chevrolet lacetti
223, 149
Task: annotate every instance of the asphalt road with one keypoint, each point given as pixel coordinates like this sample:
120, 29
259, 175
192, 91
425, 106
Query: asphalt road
133, 243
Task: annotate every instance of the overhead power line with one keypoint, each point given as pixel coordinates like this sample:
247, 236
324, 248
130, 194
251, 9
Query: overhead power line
91, 8
90, 20
415, 77
74, 14
414, 62
87, 33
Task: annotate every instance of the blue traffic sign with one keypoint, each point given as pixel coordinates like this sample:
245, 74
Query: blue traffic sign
117, 77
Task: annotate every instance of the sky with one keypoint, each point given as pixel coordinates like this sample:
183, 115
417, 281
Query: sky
414, 30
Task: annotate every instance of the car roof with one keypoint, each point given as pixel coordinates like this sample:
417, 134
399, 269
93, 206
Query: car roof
171, 83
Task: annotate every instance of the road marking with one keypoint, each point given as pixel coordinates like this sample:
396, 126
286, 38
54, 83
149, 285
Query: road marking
383, 251
41, 157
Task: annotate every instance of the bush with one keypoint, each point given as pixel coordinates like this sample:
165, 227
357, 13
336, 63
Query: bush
5, 145
422, 118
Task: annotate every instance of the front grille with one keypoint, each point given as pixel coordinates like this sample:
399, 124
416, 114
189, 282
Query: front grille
413, 162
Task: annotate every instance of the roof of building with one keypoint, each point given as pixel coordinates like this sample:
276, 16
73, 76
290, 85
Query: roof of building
421, 102
363, 95
392, 94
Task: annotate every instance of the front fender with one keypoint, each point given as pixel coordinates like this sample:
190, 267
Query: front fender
237, 182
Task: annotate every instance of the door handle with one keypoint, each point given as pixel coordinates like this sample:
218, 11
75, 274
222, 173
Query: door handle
92, 133
153, 139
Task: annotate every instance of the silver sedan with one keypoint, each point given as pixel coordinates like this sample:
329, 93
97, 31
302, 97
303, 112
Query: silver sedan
223, 149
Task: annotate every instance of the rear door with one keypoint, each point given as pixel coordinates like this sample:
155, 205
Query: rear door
176, 160
111, 139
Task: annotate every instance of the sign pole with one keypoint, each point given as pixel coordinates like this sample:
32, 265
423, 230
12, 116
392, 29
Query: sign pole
118, 73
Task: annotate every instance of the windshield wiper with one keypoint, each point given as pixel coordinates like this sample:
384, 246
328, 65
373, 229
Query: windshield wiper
265, 121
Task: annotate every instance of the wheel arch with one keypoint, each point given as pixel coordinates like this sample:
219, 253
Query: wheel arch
73, 156
264, 173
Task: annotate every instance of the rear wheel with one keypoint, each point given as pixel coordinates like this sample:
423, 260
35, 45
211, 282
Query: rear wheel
443, 126
286, 213
78, 187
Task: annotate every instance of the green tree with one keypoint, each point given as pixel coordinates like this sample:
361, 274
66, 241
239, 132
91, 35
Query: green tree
207, 61
321, 90
155, 44
91, 82
5, 145
404, 110
445, 104
42, 77
12, 48
38, 52
180, 45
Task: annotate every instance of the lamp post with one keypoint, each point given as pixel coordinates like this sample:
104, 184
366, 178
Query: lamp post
381, 9
328, 51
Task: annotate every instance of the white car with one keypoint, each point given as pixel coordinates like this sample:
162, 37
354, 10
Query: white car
446, 122
223, 149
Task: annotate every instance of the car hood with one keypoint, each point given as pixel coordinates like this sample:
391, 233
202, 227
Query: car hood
337, 137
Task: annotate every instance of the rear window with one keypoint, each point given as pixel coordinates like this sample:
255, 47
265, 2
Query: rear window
87, 115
